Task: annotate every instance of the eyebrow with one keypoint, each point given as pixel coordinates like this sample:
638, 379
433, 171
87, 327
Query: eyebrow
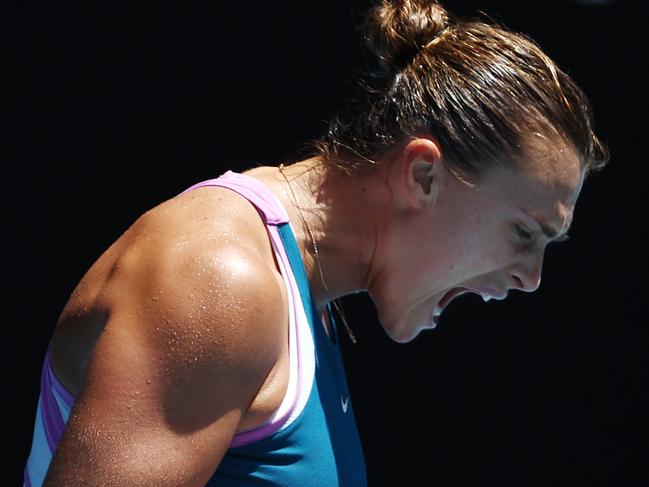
547, 230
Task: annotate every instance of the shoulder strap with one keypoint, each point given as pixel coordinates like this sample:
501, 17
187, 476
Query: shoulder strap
254, 191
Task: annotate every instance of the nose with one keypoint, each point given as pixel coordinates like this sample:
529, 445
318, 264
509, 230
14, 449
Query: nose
526, 273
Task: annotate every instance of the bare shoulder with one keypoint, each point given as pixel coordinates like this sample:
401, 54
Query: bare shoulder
203, 272
203, 253
195, 323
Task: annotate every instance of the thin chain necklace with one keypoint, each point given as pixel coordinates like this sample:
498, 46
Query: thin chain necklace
317, 258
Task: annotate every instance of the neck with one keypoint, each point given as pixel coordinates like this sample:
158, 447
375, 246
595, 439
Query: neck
342, 213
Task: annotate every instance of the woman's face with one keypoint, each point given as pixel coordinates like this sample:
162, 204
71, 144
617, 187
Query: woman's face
487, 239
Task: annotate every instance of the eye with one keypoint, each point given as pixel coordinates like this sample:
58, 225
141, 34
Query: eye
523, 232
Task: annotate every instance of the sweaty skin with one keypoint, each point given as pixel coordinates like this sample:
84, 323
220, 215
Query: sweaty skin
175, 339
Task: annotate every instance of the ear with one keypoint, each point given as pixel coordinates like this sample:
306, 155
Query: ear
421, 172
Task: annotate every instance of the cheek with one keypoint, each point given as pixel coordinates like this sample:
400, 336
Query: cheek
499, 248
454, 258
479, 245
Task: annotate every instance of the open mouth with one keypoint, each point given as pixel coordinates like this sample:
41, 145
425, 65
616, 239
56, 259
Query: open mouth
452, 294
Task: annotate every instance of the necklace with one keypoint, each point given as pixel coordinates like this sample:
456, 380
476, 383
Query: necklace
317, 258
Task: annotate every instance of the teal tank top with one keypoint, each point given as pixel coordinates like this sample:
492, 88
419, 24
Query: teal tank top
321, 446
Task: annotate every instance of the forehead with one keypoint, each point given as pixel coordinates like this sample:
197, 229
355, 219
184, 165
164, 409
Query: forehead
547, 191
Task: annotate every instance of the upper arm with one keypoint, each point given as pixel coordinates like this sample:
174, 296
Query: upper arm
188, 343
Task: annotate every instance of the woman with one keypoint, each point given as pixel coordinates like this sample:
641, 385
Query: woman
201, 349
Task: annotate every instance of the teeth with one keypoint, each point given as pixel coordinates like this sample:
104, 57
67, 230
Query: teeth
486, 297
437, 311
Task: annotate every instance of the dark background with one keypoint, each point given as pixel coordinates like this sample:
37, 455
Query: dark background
116, 108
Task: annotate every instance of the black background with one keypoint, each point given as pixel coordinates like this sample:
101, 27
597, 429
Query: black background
116, 108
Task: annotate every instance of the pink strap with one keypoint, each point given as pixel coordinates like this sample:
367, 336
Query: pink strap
255, 191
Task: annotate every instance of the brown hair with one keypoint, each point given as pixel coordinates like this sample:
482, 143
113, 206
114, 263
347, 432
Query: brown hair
486, 94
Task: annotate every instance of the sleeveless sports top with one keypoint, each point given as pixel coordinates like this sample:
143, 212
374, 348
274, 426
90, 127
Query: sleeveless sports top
312, 439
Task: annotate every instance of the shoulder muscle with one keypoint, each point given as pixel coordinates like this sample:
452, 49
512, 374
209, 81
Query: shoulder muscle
192, 332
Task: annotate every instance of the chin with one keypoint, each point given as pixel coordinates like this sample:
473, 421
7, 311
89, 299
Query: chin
398, 326
401, 331
407, 339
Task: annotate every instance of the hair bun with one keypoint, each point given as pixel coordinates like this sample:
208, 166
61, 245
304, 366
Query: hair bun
397, 29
